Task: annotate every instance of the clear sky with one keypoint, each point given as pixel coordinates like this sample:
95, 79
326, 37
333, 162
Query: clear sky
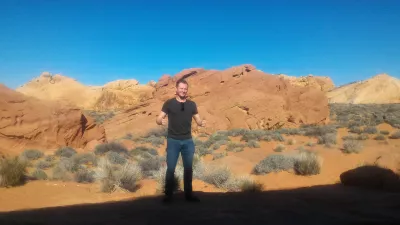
97, 41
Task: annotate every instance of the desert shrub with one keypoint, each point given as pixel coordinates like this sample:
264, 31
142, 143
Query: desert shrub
253, 135
349, 137
153, 140
362, 137
253, 144
307, 163
219, 155
39, 174
150, 165
12, 172
49, 158
143, 152
279, 148
291, 141
274, 136
395, 135
219, 143
202, 151
274, 163
157, 132
32, 154
203, 135
380, 137
370, 130
327, 139
160, 176
115, 158
60, 173
384, 132
290, 131
310, 144
84, 159
316, 131
352, 146
65, 152
126, 178
235, 147
100, 117
43, 164
236, 132
110, 147
355, 130
218, 136
84, 176
242, 183
247, 184
217, 175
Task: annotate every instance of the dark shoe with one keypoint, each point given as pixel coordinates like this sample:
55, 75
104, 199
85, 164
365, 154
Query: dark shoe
192, 198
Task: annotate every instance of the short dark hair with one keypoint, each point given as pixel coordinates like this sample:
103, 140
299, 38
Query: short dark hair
183, 81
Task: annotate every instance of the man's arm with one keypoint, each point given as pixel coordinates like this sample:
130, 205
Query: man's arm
198, 120
160, 118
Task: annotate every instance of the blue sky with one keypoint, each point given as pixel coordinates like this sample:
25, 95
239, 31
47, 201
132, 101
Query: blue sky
99, 41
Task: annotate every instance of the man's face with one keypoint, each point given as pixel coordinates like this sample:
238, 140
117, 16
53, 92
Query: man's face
182, 90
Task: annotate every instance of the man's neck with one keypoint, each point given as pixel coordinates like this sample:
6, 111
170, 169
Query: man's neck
179, 99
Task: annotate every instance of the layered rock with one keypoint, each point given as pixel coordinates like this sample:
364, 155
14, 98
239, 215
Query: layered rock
239, 97
323, 83
379, 89
119, 94
27, 122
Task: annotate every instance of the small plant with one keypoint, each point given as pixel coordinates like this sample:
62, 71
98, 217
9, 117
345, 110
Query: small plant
395, 135
160, 176
250, 185
310, 144
143, 152
12, 172
60, 173
362, 137
356, 130
39, 174
253, 144
384, 132
235, 147
150, 165
32, 154
66, 152
84, 176
370, 130
102, 149
115, 158
307, 163
219, 155
279, 148
291, 141
352, 146
380, 137
274, 163
126, 178
327, 139
44, 164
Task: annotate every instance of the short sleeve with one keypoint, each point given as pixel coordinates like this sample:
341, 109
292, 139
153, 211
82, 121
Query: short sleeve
195, 111
165, 107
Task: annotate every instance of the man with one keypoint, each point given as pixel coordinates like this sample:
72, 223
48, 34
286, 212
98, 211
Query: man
180, 112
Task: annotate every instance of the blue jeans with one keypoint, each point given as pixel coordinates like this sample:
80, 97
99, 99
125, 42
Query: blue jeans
186, 148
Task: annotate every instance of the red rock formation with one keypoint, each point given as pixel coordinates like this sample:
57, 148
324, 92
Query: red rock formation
27, 122
239, 97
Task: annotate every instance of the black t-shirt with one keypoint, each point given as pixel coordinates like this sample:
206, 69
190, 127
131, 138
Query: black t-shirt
179, 118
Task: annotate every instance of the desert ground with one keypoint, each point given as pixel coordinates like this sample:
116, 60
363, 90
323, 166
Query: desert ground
344, 171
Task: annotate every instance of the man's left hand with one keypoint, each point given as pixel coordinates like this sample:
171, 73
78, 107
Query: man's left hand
203, 123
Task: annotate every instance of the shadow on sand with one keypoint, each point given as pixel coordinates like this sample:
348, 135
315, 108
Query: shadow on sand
327, 204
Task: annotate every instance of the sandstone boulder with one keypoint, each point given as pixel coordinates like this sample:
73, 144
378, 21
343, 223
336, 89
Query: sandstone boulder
27, 122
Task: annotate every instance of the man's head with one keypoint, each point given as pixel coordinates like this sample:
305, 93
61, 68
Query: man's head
182, 88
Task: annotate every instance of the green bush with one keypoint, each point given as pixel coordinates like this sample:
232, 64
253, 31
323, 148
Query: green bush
112, 146
307, 163
67, 152
273, 163
12, 172
32, 154
352, 146
39, 174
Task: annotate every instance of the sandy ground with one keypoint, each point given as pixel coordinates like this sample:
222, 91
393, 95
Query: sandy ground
320, 199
